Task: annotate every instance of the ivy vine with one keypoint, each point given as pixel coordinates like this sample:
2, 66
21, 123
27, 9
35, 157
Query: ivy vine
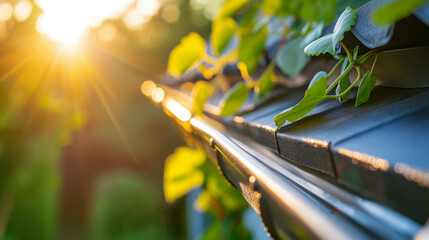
239, 35
240, 32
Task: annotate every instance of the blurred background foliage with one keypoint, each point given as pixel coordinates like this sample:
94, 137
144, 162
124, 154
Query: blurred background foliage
81, 150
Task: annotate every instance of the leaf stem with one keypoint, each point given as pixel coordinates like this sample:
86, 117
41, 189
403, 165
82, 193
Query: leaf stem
347, 70
349, 55
335, 67
349, 88
251, 84
365, 57
373, 64
355, 52
209, 59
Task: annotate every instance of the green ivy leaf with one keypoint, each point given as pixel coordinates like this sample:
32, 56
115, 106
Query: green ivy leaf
251, 48
248, 19
187, 53
233, 99
228, 196
344, 23
313, 96
327, 43
365, 88
273, 7
317, 10
201, 92
394, 11
306, 29
321, 46
291, 59
182, 173
355, 52
344, 83
265, 82
317, 77
229, 8
314, 34
223, 30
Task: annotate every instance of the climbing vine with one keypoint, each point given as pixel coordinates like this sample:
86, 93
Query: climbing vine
241, 31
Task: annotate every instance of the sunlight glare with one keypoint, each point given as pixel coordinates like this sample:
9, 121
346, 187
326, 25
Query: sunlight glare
6, 11
67, 21
133, 20
22, 10
60, 27
148, 87
158, 95
147, 8
107, 32
178, 110
137, 17
171, 13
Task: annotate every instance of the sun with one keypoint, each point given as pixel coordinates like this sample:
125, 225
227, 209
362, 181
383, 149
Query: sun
61, 21
66, 21
61, 29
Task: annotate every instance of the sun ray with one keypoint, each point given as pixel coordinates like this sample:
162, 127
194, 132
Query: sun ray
97, 72
115, 122
36, 93
134, 61
15, 69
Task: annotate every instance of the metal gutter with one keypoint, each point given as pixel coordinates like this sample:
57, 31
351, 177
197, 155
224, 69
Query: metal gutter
325, 210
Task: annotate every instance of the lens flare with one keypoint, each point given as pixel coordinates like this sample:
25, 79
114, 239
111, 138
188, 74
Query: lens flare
67, 21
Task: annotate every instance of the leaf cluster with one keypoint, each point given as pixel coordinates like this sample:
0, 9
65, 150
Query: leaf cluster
187, 168
240, 33
318, 89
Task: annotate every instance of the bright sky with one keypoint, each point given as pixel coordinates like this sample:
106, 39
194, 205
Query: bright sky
67, 21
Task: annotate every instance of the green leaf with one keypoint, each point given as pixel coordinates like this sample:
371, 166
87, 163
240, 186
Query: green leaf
306, 29
265, 82
201, 92
248, 19
229, 8
344, 83
327, 43
182, 173
316, 77
321, 46
272, 7
231, 228
213, 231
228, 196
187, 53
223, 30
344, 23
291, 59
314, 34
261, 22
365, 88
355, 52
317, 10
203, 202
251, 48
233, 99
394, 11
313, 96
